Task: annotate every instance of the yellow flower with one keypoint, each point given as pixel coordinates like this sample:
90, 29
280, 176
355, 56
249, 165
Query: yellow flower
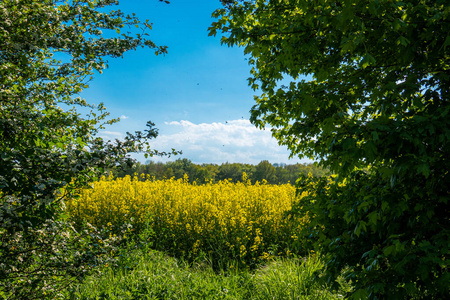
224, 215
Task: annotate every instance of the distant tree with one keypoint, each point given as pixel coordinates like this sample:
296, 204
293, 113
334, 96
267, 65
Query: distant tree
126, 168
309, 169
205, 172
230, 171
155, 169
180, 167
375, 110
169, 173
212, 170
265, 170
290, 173
198, 174
48, 52
283, 175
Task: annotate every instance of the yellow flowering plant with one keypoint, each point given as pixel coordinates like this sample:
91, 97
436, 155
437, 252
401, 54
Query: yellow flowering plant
224, 221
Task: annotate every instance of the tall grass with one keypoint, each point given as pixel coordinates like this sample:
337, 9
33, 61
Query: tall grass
153, 275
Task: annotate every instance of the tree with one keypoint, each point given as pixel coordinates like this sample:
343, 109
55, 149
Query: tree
211, 171
265, 170
181, 167
233, 171
154, 169
49, 51
374, 109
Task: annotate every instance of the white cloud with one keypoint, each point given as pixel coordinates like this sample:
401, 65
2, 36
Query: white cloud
123, 117
110, 135
232, 141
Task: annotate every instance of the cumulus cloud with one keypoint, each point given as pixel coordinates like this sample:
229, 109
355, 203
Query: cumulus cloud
123, 117
231, 141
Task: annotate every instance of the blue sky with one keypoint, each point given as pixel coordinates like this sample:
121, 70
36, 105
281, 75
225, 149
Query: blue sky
197, 94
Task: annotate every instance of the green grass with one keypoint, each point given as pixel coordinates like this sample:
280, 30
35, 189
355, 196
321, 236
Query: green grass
153, 275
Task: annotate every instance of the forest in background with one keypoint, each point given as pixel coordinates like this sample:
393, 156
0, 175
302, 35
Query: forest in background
277, 173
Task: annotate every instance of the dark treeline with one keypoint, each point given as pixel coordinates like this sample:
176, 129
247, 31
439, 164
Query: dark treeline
272, 173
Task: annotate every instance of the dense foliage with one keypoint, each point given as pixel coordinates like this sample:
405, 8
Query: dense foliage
273, 174
49, 51
225, 223
374, 108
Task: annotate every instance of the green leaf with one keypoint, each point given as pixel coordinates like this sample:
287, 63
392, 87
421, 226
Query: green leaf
403, 41
389, 250
373, 218
359, 294
367, 61
424, 169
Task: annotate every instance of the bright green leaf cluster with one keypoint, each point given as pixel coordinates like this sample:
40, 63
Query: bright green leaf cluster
368, 88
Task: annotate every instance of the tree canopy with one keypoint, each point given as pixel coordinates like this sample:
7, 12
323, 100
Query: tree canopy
362, 86
272, 174
49, 51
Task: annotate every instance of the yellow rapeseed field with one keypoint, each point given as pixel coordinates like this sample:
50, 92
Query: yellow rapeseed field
223, 221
